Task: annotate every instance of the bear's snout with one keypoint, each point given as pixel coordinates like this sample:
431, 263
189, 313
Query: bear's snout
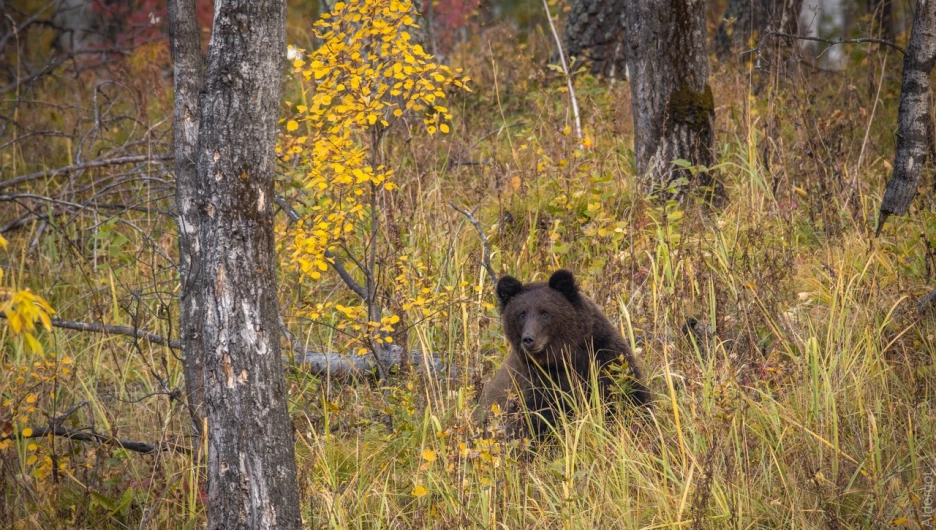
527, 342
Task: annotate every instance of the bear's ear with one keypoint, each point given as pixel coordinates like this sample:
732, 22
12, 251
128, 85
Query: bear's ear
507, 288
564, 282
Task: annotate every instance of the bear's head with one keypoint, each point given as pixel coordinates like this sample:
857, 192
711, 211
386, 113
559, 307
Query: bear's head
543, 320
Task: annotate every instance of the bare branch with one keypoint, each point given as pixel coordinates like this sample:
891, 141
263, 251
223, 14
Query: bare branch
291, 212
346, 276
112, 330
78, 167
830, 42
100, 439
294, 216
486, 256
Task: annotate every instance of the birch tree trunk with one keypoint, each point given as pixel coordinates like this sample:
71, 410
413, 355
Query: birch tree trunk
188, 77
914, 123
594, 32
672, 101
230, 281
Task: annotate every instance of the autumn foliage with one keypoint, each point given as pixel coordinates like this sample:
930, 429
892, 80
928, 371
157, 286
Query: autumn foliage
367, 75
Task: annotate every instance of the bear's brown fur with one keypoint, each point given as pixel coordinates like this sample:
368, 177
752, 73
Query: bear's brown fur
557, 337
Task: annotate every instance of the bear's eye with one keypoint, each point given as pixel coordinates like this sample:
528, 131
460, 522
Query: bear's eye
522, 315
544, 313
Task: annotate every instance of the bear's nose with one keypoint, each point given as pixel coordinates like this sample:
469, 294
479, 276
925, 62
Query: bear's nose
527, 341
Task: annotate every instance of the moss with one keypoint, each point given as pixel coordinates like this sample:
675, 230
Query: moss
686, 106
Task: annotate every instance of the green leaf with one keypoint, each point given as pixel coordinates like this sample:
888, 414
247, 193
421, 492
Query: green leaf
123, 507
103, 501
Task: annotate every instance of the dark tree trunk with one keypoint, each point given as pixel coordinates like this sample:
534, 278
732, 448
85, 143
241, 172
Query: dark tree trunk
594, 32
744, 19
230, 280
672, 100
914, 123
882, 17
188, 78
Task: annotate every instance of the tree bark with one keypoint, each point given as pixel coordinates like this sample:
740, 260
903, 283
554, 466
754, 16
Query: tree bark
251, 460
594, 32
744, 19
672, 101
188, 78
914, 123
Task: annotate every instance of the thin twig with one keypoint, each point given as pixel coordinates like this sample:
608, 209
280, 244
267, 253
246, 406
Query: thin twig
864, 142
565, 70
486, 256
499, 130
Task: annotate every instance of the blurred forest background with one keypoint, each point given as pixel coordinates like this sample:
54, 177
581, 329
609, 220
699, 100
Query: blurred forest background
804, 395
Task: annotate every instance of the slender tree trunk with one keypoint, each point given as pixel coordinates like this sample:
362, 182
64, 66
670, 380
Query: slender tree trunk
594, 32
745, 21
188, 78
882, 16
251, 460
914, 124
673, 105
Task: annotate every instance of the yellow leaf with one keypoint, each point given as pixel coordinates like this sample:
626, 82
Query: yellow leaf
429, 455
419, 491
34, 344
292, 125
27, 432
444, 128
14, 321
32, 460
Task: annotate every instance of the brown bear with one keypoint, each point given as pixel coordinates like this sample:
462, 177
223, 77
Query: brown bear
557, 337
